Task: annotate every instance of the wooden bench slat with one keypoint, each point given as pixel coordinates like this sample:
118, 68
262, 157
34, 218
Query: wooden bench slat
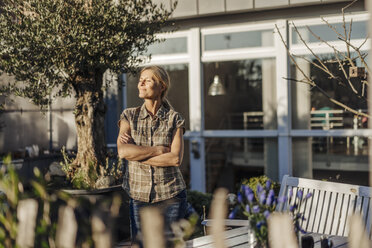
348, 213
305, 208
368, 222
228, 222
330, 215
341, 223
319, 211
313, 211
337, 213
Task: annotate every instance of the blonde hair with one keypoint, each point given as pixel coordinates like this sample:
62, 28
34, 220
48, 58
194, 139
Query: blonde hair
160, 75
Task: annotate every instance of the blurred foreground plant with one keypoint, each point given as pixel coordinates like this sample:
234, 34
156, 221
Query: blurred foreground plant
48, 203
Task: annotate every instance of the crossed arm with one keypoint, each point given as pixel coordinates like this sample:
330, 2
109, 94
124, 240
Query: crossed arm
151, 155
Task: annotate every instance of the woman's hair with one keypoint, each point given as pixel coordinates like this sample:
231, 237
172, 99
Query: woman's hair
160, 75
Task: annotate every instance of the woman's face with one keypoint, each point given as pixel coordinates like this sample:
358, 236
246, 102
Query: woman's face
148, 88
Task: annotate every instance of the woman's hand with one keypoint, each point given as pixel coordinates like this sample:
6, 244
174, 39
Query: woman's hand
126, 139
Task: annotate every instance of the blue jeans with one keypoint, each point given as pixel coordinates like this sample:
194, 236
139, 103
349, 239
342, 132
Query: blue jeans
173, 209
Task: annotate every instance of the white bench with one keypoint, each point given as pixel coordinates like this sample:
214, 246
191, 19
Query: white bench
331, 204
325, 212
237, 238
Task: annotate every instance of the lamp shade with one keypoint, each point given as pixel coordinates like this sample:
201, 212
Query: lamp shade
216, 88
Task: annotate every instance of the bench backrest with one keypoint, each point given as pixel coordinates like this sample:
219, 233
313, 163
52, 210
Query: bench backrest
331, 204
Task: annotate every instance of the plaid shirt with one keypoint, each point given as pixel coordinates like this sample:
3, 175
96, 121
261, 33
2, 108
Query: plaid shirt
152, 183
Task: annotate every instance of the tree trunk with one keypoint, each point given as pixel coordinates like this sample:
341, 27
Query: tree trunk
89, 118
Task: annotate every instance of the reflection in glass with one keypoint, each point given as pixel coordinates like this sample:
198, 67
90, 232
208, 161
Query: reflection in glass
169, 46
312, 108
261, 38
359, 31
343, 159
229, 161
178, 94
249, 101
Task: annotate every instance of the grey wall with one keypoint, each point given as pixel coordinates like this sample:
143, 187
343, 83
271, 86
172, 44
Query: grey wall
196, 8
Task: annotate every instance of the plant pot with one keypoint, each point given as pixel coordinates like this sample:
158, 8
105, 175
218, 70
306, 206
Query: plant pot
101, 198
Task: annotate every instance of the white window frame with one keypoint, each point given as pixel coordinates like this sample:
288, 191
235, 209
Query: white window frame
237, 53
175, 58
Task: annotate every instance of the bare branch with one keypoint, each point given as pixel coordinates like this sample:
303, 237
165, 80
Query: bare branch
309, 81
360, 55
293, 59
336, 53
346, 75
304, 42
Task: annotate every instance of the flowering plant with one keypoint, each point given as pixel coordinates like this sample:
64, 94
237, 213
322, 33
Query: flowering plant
257, 206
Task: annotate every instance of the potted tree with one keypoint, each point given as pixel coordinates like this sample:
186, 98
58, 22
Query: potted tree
54, 48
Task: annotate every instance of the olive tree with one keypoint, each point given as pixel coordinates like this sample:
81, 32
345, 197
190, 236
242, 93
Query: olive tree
60, 48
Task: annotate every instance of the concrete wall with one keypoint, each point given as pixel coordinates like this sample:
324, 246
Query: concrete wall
24, 124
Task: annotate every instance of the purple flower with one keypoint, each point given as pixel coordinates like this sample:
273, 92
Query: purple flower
256, 209
247, 208
259, 189
248, 191
268, 184
292, 207
270, 198
266, 213
240, 197
269, 201
232, 215
242, 188
308, 195
300, 193
263, 197
250, 197
259, 224
271, 192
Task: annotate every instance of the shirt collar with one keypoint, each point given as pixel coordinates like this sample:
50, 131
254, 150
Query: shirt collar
161, 113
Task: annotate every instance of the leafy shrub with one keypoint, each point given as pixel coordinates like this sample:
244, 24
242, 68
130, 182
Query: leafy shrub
199, 201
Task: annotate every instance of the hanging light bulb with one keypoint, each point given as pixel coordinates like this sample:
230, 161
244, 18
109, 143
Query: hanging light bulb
216, 88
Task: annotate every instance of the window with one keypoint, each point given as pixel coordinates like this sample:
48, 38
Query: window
249, 98
359, 31
236, 159
312, 108
234, 40
333, 158
169, 46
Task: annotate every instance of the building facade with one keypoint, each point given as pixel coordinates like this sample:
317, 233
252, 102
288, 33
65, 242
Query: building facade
254, 120
262, 123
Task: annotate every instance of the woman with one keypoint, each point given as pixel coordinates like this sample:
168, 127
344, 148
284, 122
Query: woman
151, 139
